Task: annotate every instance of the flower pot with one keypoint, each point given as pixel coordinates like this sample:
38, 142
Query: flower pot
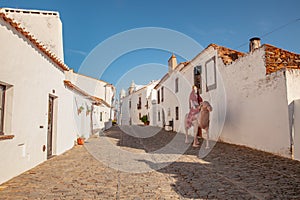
80, 141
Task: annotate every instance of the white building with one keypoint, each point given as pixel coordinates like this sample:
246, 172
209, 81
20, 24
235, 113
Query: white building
37, 114
137, 103
102, 112
252, 95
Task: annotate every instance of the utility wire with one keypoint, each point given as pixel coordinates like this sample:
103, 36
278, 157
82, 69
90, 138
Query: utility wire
272, 31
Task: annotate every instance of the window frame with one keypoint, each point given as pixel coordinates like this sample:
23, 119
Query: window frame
147, 104
198, 83
3, 87
176, 113
139, 105
176, 85
162, 94
213, 85
101, 116
158, 96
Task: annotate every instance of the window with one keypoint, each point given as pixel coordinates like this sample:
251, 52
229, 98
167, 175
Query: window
140, 115
210, 74
2, 101
147, 104
162, 94
176, 113
158, 116
101, 116
139, 105
176, 84
129, 103
158, 96
197, 78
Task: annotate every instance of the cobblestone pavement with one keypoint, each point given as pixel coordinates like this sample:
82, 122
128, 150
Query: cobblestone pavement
228, 172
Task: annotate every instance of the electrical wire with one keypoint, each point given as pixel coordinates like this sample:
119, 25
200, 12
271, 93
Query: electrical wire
272, 31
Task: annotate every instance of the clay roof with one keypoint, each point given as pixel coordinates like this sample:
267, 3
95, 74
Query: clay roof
182, 65
277, 59
39, 45
227, 55
96, 100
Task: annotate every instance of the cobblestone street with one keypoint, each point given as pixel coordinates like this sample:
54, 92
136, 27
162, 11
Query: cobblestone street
228, 172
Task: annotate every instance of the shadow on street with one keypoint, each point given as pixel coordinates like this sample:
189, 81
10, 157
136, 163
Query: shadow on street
229, 171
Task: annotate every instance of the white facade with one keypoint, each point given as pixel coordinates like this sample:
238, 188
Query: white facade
249, 107
102, 114
40, 24
137, 104
296, 129
293, 100
36, 94
256, 106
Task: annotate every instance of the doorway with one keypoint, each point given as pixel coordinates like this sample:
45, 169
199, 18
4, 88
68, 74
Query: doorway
50, 127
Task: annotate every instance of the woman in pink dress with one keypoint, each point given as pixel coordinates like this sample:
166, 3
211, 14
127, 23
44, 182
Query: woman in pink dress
194, 102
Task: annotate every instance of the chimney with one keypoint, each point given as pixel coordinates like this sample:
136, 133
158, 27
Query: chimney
172, 63
131, 89
254, 43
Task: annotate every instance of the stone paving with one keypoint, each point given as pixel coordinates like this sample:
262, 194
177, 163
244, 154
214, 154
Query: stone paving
228, 172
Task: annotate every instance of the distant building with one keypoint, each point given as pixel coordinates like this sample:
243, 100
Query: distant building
137, 103
253, 95
44, 106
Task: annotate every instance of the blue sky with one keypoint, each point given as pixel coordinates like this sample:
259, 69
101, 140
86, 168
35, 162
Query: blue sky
228, 23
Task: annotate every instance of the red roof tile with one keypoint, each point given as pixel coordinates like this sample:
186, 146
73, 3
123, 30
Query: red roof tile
96, 100
227, 55
34, 41
277, 59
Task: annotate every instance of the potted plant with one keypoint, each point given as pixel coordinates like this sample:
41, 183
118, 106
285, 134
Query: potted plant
145, 120
88, 111
80, 109
80, 140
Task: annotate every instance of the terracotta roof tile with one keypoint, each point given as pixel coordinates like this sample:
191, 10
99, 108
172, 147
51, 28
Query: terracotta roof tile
96, 100
277, 59
34, 41
227, 55
163, 79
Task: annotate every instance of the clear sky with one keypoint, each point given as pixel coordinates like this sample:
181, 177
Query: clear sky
231, 23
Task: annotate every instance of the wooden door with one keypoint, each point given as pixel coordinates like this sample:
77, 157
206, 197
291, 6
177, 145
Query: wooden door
50, 126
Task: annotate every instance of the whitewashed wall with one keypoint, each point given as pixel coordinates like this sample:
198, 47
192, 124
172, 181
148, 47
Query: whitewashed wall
97, 88
257, 109
216, 97
181, 98
32, 78
124, 111
173, 99
131, 115
297, 129
293, 95
92, 86
249, 107
82, 118
40, 24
